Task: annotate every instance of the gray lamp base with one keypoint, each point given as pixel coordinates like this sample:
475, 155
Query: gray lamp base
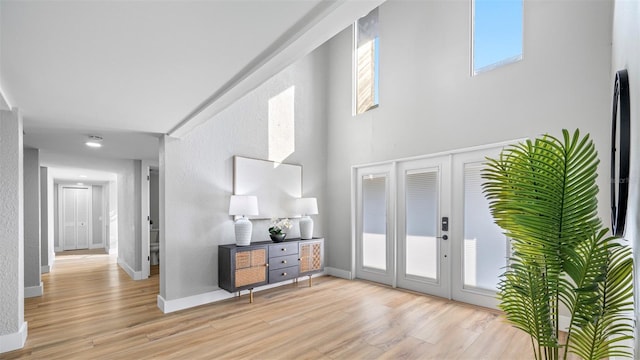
306, 228
243, 231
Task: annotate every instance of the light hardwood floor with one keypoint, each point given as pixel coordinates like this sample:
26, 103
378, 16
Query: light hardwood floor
92, 310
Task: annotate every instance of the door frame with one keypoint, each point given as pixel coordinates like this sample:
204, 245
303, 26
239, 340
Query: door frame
453, 210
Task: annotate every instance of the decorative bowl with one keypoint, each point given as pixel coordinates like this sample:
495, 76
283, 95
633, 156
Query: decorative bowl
278, 237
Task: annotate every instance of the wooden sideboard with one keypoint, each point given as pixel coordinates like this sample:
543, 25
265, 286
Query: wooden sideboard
246, 267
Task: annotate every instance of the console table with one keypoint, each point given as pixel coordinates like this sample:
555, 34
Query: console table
246, 267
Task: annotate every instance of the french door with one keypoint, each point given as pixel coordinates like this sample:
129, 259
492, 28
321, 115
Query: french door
481, 249
75, 217
422, 229
424, 225
375, 245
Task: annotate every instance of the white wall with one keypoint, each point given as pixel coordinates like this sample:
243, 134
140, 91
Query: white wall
430, 103
47, 254
153, 198
44, 221
626, 55
196, 175
112, 225
13, 328
32, 238
129, 218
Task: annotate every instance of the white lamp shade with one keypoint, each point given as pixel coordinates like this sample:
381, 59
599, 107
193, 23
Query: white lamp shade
243, 205
308, 206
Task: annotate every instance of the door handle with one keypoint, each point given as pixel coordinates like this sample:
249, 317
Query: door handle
443, 237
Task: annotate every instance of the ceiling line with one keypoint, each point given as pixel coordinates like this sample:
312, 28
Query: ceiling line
288, 37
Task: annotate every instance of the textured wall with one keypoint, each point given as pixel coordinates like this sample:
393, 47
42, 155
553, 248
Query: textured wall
11, 224
430, 103
44, 216
153, 198
196, 174
129, 215
32, 238
626, 55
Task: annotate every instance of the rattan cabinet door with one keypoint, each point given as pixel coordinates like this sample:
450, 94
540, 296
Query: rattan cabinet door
251, 267
311, 256
242, 267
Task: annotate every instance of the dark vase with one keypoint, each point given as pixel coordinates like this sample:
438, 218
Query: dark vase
278, 237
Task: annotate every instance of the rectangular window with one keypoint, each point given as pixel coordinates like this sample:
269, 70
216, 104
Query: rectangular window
366, 43
497, 33
422, 224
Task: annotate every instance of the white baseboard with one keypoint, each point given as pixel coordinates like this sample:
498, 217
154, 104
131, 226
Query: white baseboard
14, 341
168, 306
338, 273
135, 275
34, 291
45, 269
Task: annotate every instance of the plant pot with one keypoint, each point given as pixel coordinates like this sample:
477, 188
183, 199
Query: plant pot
277, 237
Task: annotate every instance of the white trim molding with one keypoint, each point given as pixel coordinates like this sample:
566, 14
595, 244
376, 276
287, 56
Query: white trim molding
34, 291
339, 273
14, 341
135, 275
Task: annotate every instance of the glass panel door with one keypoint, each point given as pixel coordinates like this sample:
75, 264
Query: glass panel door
375, 236
422, 251
480, 248
485, 248
374, 222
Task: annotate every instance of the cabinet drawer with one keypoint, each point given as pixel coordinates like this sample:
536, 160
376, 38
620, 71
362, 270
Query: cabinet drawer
283, 249
283, 274
283, 261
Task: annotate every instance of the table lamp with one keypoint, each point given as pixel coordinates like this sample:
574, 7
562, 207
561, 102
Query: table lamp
307, 206
241, 205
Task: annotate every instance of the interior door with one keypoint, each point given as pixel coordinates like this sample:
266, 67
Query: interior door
375, 246
76, 215
423, 238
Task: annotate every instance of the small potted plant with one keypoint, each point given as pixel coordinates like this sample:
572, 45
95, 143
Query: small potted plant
277, 229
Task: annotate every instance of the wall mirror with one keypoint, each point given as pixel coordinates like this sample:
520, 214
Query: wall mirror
277, 185
620, 151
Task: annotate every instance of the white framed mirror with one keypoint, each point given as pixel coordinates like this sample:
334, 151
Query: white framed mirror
277, 185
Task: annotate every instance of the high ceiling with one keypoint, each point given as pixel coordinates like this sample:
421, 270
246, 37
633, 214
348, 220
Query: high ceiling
131, 70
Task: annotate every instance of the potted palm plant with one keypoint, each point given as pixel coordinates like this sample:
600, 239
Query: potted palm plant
543, 195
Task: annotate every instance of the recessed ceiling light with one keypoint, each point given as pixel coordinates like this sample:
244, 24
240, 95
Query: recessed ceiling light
94, 141
82, 176
80, 183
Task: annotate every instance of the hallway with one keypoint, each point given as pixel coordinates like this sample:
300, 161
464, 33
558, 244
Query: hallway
92, 310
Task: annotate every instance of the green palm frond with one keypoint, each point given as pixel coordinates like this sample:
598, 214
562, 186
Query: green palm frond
601, 337
542, 193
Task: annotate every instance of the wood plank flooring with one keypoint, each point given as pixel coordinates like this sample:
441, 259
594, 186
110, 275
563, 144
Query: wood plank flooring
92, 310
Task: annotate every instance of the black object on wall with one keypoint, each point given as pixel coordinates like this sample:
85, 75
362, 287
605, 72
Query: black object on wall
620, 136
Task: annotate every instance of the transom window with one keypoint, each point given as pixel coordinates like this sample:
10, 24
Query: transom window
497, 33
366, 43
